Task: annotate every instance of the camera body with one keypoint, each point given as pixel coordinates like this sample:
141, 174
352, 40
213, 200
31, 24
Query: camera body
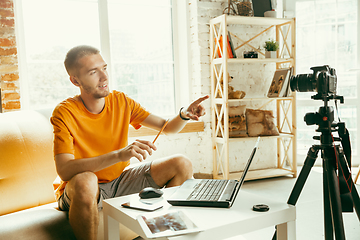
323, 80
251, 54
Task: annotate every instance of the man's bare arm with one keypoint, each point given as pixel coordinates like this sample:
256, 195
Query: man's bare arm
194, 111
67, 166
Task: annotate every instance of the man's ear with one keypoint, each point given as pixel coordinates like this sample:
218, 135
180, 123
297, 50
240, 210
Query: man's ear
74, 81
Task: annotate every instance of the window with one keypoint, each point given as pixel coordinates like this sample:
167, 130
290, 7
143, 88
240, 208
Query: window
141, 52
327, 35
135, 38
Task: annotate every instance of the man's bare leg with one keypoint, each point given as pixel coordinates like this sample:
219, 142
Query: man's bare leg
83, 192
172, 171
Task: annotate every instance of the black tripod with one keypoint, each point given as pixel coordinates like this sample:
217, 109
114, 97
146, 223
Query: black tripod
339, 192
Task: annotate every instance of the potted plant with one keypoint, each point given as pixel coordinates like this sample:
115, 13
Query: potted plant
271, 47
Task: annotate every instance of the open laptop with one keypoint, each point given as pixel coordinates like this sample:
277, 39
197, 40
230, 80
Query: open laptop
210, 192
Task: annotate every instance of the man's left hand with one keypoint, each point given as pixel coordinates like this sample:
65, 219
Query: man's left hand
196, 109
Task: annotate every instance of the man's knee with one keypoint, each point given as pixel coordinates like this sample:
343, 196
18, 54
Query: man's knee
171, 171
181, 164
84, 187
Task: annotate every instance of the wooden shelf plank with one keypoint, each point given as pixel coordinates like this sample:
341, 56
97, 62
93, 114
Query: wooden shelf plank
221, 100
261, 174
259, 60
253, 60
261, 21
281, 135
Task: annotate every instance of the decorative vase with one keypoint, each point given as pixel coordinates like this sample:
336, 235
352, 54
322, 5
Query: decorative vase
270, 54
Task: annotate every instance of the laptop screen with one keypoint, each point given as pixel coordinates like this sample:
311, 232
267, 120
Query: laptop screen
246, 169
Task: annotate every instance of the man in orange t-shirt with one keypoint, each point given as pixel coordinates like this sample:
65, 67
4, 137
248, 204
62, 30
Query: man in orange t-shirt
91, 144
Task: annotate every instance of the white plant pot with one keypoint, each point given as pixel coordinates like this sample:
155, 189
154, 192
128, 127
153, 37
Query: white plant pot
270, 54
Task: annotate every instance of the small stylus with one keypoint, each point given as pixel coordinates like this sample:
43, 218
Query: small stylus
257, 142
161, 130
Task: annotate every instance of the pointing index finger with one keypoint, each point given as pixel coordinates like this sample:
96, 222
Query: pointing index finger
201, 99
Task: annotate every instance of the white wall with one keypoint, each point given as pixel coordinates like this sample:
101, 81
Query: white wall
198, 146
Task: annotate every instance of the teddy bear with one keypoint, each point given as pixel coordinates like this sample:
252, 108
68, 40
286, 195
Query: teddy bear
231, 93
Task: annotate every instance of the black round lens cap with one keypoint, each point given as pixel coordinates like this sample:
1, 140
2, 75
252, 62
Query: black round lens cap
261, 208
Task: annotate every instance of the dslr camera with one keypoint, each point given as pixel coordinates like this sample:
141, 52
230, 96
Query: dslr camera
323, 80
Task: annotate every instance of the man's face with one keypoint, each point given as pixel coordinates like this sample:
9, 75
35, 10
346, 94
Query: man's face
92, 76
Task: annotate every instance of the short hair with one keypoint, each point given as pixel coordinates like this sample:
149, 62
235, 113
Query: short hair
74, 54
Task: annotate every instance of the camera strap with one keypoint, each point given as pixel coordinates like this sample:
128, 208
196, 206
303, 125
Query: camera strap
345, 174
345, 142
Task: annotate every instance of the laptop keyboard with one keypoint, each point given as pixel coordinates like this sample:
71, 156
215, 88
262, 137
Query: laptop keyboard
208, 190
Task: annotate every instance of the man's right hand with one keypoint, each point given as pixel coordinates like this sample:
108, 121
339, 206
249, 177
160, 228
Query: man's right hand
67, 166
139, 149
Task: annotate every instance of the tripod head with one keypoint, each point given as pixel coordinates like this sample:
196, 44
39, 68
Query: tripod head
324, 118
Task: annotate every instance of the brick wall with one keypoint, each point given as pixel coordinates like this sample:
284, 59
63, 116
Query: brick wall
9, 71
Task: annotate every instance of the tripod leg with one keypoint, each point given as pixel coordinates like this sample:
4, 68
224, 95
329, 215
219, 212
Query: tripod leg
328, 227
334, 193
304, 173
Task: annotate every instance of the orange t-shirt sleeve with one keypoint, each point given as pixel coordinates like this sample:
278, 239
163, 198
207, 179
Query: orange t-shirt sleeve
63, 141
138, 113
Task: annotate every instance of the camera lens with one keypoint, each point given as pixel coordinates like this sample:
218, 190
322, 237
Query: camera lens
303, 83
312, 118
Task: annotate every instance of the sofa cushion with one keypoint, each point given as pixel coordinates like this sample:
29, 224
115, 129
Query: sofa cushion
27, 167
40, 223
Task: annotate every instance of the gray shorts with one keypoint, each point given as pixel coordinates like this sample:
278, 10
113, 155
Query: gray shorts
132, 180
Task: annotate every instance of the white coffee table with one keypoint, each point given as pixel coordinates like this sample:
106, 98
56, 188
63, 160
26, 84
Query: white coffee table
217, 223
